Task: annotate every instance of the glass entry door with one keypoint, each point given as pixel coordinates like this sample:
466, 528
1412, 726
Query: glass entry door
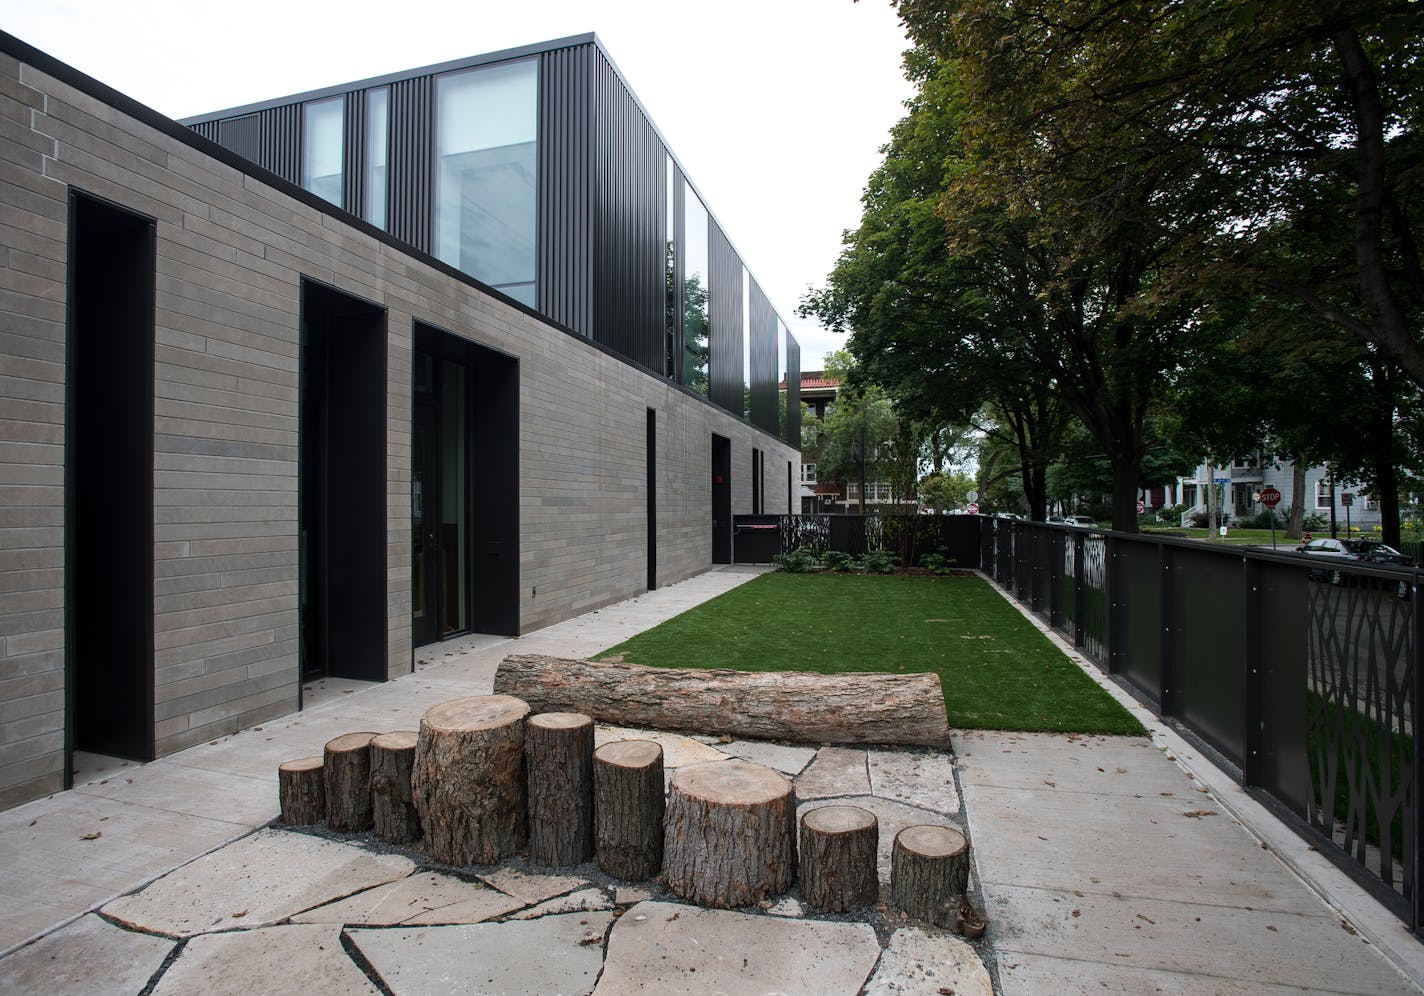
440, 500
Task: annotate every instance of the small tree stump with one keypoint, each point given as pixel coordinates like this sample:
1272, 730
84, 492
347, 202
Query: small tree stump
929, 872
301, 787
837, 858
392, 809
468, 779
628, 808
348, 782
729, 835
558, 752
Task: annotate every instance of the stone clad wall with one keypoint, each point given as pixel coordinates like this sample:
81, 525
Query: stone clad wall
231, 252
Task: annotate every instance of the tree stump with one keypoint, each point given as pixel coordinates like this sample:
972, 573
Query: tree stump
628, 808
392, 808
468, 779
347, 770
729, 835
301, 787
837, 853
558, 752
929, 872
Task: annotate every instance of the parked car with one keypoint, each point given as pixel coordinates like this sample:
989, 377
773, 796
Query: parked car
1359, 551
1086, 521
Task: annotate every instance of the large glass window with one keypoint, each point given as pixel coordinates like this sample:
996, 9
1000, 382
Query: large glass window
696, 294
670, 315
782, 385
377, 132
485, 191
323, 131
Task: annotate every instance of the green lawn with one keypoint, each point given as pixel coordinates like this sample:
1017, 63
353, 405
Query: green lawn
998, 672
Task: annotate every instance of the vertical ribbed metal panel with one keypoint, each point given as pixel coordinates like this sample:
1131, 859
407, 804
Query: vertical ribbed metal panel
564, 280
281, 150
242, 135
412, 159
208, 129
726, 307
793, 392
763, 386
628, 237
353, 153
679, 274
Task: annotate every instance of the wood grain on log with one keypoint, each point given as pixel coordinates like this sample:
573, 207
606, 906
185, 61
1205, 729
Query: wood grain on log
729, 834
301, 787
558, 754
628, 808
837, 855
929, 872
894, 709
468, 779
393, 810
347, 770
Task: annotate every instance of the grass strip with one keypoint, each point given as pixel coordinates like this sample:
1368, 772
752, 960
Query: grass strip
997, 670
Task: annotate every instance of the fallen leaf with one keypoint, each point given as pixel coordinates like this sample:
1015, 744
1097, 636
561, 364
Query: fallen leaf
238, 914
1077, 912
590, 939
1166, 794
1197, 814
92, 836
1269, 927
1348, 929
1052, 785
1144, 916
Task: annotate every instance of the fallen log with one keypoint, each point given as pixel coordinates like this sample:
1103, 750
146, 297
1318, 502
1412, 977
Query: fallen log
861, 708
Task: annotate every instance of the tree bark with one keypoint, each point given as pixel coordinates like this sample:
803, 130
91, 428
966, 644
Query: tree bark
729, 834
1295, 525
468, 779
347, 770
558, 754
628, 809
929, 872
392, 807
893, 709
837, 855
301, 787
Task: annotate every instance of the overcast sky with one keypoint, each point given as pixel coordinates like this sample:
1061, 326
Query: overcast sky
776, 108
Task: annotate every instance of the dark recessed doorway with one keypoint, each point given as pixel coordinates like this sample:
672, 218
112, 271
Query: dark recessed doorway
721, 500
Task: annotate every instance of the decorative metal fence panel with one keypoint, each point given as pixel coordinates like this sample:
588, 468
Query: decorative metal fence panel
1094, 624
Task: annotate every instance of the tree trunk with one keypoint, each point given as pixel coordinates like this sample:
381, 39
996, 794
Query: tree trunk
468, 779
1386, 487
301, 787
1296, 524
558, 754
729, 834
894, 709
838, 858
628, 809
348, 782
392, 808
929, 872
1124, 494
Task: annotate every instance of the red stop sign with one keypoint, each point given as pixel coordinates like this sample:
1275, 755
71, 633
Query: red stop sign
972, 508
1270, 497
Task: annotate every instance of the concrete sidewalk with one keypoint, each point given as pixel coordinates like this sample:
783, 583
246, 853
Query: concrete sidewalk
1103, 867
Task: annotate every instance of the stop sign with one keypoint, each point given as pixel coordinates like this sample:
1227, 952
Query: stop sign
1270, 497
1141, 507
972, 508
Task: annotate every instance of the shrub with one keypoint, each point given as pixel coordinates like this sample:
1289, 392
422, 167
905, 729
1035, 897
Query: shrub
838, 561
798, 561
1314, 522
1263, 520
937, 562
878, 562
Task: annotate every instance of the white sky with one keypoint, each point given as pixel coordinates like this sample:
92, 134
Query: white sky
776, 108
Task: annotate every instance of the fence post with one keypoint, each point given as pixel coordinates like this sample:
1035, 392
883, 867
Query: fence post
1416, 600
1253, 734
1112, 580
1080, 544
1167, 657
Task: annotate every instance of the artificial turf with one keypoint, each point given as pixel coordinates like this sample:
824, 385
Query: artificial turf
998, 672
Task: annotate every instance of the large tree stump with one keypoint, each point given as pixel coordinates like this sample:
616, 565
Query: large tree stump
807, 708
729, 835
301, 787
558, 753
628, 808
347, 770
468, 779
837, 858
929, 872
392, 808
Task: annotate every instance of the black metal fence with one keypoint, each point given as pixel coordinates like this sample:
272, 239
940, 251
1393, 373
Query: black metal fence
1304, 681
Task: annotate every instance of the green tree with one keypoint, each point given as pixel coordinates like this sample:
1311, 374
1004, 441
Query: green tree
945, 489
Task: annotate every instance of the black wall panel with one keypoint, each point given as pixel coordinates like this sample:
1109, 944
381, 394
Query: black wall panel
282, 141
353, 155
208, 129
241, 135
793, 392
565, 272
726, 307
629, 223
764, 379
412, 161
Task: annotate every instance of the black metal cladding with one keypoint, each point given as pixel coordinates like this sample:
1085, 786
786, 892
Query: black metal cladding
209, 130
629, 224
281, 150
764, 380
353, 154
412, 161
242, 135
563, 282
726, 308
793, 392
